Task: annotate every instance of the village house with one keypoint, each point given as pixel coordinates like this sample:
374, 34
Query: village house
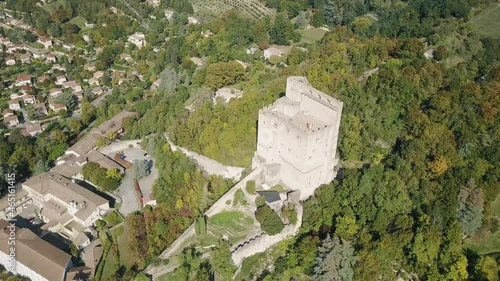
137, 39
193, 20
13, 48
33, 129
25, 58
75, 86
93, 82
23, 79
53, 93
56, 107
126, 57
89, 66
269, 52
168, 14
97, 91
98, 74
11, 121
156, 83
14, 105
67, 47
251, 50
207, 33
42, 79
10, 61
15, 96
226, 94
60, 80
58, 67
29, 99
46, 42
26, 89
7, 112
197, 61
78, 95
50, 58
40, 109
36, 54
5, 41
36, 258
154, 3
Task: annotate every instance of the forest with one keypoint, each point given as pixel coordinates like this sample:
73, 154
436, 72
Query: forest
418, 148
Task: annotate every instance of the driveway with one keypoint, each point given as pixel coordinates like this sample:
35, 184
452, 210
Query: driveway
127, 193
126, 190
145, 183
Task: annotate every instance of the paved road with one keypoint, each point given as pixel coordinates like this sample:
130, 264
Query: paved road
100, 100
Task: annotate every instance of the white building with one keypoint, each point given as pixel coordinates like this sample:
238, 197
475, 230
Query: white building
60, 80
22, 80
10, 61
53, 93
14, 105
168, 14
34, 257
46, 42
269, 52
75, 86
137, 39
29, 99
67, 208
193, 20
11, 121
297, 139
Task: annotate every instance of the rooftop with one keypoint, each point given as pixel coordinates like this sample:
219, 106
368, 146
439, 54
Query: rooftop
66, 191
35, 253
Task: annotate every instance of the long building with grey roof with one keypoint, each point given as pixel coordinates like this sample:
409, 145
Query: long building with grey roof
34, 257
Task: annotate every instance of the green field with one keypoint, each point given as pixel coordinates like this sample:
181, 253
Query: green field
80, 21
232, 221
490, 244
311, 35
109, 266
487, 23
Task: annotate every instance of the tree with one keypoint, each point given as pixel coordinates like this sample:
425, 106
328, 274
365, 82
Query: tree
250, 187
75, 125
296, 56
269, 221
346, 226
437, 166
441, 53
223, 74
41, 167
68, 99
141, 169
88, 112
470, 209
282, 31
335, 260
221, 261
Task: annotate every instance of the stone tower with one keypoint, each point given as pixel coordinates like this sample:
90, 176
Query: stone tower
297, 139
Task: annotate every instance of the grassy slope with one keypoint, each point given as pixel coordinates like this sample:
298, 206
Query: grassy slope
109, 266
487, 23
